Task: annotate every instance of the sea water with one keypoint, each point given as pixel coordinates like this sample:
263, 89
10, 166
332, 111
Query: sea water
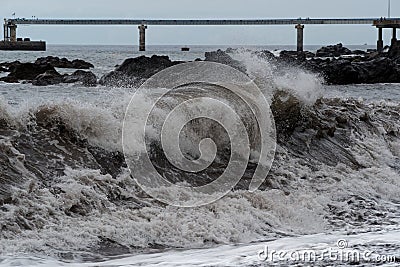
73, 202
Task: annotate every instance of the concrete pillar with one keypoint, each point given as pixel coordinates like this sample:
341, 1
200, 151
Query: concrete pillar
380, 40
142, 37
300, 38
5, 30
13, 32
394, 37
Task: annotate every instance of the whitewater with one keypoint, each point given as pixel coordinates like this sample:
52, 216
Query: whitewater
68, 198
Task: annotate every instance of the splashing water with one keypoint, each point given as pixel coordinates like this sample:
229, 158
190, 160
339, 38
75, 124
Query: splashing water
66, 191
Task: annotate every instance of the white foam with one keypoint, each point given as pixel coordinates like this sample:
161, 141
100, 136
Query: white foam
269, 76
229, 255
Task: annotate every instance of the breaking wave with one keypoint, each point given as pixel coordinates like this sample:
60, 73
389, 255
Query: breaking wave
66, 191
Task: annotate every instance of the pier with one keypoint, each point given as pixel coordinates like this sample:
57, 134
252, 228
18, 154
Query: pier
10, 25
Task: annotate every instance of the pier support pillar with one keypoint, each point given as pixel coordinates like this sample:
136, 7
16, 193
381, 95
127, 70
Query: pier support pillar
5, 31
142, 37
13, 32
300, 37
380, 40
394, 37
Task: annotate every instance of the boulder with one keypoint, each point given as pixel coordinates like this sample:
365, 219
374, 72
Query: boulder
8, 79
28, 71
348, 71
56, 62
394, 51
295, 54
333, 51
87, 78
134, 71
359, 52
265, 54
81, 64
7, 65
222, 57
286, 109
50, 77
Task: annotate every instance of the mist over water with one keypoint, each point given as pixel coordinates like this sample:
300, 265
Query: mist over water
67, 194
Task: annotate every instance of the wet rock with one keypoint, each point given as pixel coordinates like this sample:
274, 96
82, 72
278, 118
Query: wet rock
222, 57
6, 65
333, 51
294, 55
394, 51
109, 247
268, 55
286, 109
28, 71
50, 77
347, 71
64, 63
8, 79
341, 119
134, 71
81, 64
359, 52
87, 78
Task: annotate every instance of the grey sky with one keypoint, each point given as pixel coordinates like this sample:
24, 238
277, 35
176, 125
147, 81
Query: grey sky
181, 9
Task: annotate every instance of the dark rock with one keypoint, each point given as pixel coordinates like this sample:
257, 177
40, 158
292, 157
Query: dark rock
8, 79
45, 74
359, 52
265, 54
109, 247
394, 51
64, 63
28, 71
81, 64
7, 65
333, 51
294, 57
134, 71
341, 119
295, 54
50, 77
347, 71
340, 72
288, 56
87, 78
286, 109
222, 57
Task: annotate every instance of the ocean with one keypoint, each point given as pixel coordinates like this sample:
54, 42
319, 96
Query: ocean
332, 196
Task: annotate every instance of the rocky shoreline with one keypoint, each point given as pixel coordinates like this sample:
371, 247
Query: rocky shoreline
339, 65
42, 72
336, 64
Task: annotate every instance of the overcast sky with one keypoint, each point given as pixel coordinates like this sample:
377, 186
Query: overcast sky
186, 9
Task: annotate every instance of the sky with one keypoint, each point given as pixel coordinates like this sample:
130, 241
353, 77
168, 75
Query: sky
202, 9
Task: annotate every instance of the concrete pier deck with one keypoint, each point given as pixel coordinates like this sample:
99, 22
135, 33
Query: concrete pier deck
10, 25
23, 45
